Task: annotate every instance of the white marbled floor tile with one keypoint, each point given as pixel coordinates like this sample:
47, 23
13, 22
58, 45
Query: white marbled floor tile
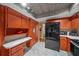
39, 50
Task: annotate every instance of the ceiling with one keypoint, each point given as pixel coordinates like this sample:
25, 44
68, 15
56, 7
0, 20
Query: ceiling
44, 11
39, 10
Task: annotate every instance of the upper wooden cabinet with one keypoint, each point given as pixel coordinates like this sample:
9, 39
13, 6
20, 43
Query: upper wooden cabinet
13, 19
25, 22
75, 23
33, 23
16, 20
65, 24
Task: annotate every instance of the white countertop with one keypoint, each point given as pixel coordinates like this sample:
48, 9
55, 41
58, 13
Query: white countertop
17, 42
71, 37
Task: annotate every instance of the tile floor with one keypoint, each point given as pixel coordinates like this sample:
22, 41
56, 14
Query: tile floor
39, 50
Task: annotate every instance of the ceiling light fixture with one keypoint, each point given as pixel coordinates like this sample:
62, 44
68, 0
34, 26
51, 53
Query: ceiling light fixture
28, 7
24, 4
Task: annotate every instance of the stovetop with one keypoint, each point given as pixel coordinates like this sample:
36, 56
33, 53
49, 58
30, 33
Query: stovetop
76, 41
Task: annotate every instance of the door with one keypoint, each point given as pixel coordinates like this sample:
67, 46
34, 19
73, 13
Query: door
52, 40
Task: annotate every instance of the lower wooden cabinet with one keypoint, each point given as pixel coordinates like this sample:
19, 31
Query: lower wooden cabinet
64, 44
30, 43
19, 53
15, 51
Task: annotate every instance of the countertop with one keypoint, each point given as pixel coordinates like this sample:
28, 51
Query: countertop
71, 37
16, 42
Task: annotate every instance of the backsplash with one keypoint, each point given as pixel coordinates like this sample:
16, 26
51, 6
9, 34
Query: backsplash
14, 37
73, 33
69, 32
63, 32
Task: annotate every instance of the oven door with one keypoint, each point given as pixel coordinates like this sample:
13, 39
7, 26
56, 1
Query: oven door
74, 50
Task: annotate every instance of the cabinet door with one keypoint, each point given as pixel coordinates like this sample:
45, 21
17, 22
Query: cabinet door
75, 23
19, 53
31, 23
15, 49
14, 19
65, 24
25, 22
63, 43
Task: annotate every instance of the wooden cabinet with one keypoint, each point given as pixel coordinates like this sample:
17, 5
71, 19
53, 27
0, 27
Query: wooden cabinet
64, 44
13, 19
75, 23
65, 24
31, 23
18, 50
15, 51
32, 33
25, 22
19, 53
16, 20
2, 29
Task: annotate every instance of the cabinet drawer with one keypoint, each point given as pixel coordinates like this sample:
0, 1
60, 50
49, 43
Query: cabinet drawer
19, 53
13, 50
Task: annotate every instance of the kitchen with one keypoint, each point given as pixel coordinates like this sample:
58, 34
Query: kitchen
35, 30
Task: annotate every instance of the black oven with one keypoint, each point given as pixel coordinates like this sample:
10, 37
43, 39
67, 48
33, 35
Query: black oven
75, 48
